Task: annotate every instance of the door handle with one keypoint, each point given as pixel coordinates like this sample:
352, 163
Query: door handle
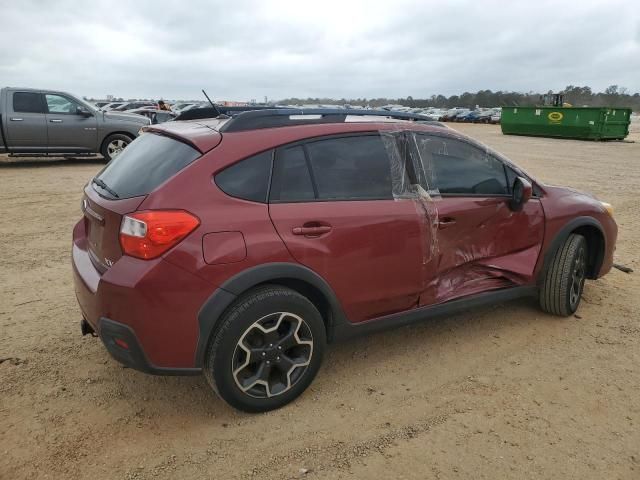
14, 119
311, 230
55, 120
446, 222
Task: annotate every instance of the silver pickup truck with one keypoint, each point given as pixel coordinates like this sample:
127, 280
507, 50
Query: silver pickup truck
57, 123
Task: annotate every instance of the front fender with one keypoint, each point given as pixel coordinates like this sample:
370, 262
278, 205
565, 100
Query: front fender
561, 236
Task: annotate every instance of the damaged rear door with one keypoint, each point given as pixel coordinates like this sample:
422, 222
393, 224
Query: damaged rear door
482, 244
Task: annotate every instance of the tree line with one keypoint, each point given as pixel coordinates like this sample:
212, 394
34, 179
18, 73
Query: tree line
612, 96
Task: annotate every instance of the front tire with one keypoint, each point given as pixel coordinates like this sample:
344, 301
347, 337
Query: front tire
113, 145
564, 280
267, 350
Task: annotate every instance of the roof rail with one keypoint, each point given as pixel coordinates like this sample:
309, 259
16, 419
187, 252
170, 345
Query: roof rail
199, 113
283, 117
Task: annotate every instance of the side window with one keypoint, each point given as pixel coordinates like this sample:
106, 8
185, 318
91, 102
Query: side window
27, 102
350, 168
456, 167
60, 104
291, 177
247, 179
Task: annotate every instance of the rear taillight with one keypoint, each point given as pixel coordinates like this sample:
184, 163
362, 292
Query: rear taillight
149, 234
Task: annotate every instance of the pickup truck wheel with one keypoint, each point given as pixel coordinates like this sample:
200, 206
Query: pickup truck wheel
267, 349
564, 280
113, 145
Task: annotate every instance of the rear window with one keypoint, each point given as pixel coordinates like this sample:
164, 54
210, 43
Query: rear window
147, 162
351, 168
27, 102
248, 179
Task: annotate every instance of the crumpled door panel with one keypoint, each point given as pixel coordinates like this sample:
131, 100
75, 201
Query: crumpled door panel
482, 245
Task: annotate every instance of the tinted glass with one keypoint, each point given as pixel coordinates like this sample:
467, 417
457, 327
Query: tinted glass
60, 104
351, 168
291, 178
146, 163
27, 102
247, 179
456, 167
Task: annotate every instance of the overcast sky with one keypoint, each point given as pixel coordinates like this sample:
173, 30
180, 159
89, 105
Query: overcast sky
239, 50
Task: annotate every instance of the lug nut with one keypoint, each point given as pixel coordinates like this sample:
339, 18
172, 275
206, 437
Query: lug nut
264, 354
279, 348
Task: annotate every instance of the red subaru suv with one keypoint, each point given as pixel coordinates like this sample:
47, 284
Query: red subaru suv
239, 247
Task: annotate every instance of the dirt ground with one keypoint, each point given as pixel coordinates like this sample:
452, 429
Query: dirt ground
502, 392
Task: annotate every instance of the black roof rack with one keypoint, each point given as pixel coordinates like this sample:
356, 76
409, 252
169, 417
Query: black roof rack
212, 112
283, 117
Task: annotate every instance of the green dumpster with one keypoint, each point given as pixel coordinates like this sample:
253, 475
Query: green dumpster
588, 123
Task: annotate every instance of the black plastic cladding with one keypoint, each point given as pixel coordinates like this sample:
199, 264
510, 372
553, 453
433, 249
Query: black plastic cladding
270, 118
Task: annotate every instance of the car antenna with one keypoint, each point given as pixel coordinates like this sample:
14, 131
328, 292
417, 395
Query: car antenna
218, 113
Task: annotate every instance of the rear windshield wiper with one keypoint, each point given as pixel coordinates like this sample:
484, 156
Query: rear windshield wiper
104, 186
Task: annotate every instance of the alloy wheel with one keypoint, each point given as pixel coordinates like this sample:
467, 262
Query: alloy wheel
578, 273
115, 147
272, 355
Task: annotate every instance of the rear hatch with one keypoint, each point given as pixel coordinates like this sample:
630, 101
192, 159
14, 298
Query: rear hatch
148, 162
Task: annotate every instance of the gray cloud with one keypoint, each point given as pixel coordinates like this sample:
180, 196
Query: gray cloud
247, 49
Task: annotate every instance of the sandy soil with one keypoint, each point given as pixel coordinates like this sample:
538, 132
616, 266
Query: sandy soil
503, 392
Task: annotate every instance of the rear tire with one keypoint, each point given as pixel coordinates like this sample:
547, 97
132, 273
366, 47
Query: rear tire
113, 145
267, 350
564, 279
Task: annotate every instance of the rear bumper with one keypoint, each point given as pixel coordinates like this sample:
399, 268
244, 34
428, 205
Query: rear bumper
151, 305
115, 335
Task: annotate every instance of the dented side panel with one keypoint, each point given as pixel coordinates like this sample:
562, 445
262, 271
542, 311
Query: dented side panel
478, 242
483, 245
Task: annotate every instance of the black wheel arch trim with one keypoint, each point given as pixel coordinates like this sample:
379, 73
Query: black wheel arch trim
562, 236
217, 304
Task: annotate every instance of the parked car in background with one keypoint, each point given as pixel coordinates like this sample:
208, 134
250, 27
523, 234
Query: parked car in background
52, 122
468, 116
484, 116
183, 107
450, 114
433, 114
110, 106
495, 118
459, 114
101, 104
155, 115
219, 247
133, 105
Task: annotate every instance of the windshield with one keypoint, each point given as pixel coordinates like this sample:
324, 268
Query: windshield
147, 162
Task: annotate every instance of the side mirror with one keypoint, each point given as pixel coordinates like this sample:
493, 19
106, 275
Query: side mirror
83, 111
521, 193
